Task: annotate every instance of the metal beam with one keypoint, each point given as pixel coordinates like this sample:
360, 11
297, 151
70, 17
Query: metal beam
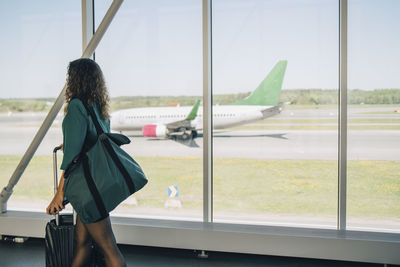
7, 191
207, 114
342, 181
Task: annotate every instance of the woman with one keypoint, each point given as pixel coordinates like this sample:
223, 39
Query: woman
85, 82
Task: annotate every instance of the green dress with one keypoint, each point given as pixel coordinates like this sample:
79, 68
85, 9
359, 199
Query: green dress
78, 126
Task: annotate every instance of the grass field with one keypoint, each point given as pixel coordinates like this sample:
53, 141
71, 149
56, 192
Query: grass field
249, 186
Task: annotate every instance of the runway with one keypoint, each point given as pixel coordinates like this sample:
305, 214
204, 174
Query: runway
18, 130
258, 144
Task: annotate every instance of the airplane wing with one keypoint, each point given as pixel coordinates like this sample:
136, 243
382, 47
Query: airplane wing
186, 123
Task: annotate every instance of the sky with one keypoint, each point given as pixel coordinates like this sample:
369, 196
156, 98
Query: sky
155, 47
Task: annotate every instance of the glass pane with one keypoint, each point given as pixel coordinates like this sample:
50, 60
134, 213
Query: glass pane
374, 115
42, 37
151, 59
273, 167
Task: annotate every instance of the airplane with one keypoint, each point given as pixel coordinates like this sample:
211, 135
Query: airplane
184, 122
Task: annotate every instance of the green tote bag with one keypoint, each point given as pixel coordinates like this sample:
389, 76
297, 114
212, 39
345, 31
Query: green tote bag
103, 176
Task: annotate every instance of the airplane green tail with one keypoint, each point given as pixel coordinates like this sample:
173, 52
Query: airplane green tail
268, 92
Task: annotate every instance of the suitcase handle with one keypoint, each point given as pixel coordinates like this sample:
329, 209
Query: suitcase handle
55, 167
57, 148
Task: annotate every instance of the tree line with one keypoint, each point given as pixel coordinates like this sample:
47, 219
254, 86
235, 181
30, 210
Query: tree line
331, 97
293, 96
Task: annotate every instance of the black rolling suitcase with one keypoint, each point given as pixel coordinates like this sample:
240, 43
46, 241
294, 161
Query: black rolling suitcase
59, 241
59, 237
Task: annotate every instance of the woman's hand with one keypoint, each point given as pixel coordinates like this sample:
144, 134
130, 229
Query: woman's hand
56, 204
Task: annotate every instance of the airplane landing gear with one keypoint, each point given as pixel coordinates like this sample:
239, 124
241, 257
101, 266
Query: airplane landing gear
186, 134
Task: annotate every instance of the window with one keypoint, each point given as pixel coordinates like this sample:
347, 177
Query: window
33, 72
281, 170
374, 118
153, 50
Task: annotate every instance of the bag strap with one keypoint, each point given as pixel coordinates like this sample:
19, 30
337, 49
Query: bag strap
93, 189
122, 169
92, 114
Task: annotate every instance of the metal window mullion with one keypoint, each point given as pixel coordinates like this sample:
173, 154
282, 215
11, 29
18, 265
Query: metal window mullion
342, 180
87, 22
207, 113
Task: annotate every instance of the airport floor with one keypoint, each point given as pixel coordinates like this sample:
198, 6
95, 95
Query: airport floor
32, 254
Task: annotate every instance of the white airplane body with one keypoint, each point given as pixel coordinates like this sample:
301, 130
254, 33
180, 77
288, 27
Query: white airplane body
185, 122
224, 116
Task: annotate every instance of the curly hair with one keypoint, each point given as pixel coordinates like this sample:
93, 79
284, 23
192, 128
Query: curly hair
85, 81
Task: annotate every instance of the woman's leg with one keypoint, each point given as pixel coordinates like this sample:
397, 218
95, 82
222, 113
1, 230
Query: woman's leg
102, 234
82, 246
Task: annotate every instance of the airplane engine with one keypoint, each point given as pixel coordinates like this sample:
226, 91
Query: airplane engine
154, 130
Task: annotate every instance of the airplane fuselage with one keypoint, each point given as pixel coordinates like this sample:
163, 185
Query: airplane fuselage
224, 116
184, 122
